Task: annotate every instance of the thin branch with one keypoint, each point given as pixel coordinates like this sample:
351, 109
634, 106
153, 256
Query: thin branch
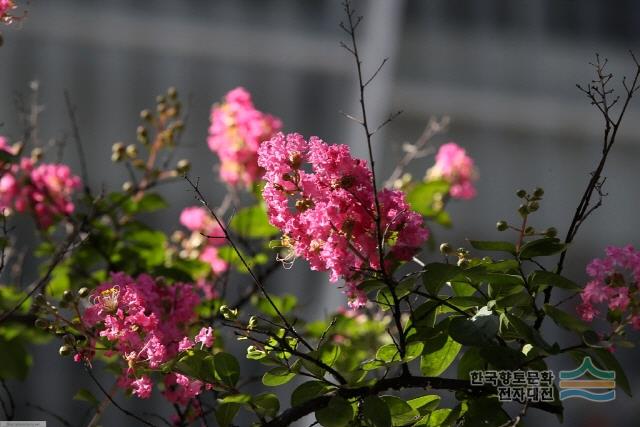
71, 111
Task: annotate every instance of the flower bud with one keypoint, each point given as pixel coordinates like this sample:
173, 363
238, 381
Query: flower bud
83, 292
522, 210
533, 206
529, 231
127, 186
502, 225
146, 115
42, 324
172, 92
132, 151
445, 249
116, 157
521, 193
463, 263
183, 166
551, 232
36, 154
160, 99
65, 350
253, 322
69, 339
67, 296
118, 147
228, 313
40, 299
538, 192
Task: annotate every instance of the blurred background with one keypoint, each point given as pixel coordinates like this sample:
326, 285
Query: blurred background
503, 70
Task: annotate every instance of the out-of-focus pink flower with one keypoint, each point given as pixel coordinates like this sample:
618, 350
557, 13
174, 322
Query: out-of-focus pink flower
142, 387
205, 337
237, 130
327, 211
5, 7
456, 167
206, 236
185, 344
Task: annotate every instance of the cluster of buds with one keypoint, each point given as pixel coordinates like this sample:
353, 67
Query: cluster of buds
159, 130
463, 255
530, 204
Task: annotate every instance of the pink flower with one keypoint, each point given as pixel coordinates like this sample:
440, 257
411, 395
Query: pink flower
455, 166
205, 337
204, 228
5, 7
210, 256
142, 387
237, 130
194, 218
326, 211
185, 344
587, 312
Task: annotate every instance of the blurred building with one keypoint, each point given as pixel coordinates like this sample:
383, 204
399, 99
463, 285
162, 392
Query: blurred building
504, 71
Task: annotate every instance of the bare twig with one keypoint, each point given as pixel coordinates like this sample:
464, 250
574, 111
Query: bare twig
71, 111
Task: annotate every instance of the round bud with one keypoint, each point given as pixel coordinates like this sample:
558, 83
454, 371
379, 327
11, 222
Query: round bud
36, 154
65, 350
522, 210
118, 147
132, 151
529, 231
83, 292
127, 186
67, 296
116, 157
502, 225
160, 99
146, 115
40, 299
183, 166
551, 232
172, 92
445, 249
69, 339
538, 192
521, 193
42, 324
533, 206
463, 263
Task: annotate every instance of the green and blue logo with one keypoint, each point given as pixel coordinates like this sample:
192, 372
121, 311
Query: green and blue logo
573, 387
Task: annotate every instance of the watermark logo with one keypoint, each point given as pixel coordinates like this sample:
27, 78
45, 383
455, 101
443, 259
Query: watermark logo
572, 387
23, 424
519, 386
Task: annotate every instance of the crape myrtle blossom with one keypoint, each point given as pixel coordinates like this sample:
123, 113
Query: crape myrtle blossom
613, 287
44, 189
237, 130
206, 237
323, 201
146, 323
5, 7
456, 167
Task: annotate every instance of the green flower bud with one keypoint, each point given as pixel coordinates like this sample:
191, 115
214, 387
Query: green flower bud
69, 339
521, 193
551, 232
529, 231
502, 225
253, 322
67, 296
65, 350
445, 249
127, 186
523, 211
183, 166
42, 324
172, 93
533, 206
132, 151
118, 147
40, 299
146, 115
538, 192
83, 292
228, 313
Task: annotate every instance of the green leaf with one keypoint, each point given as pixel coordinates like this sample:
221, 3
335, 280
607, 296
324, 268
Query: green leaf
277, 376
253, 222
540, 279
401, 412
565, 320
87, 396
226, 412
197, 364
227, 368
435, 276
266, 404
6, 157
329, 354
528, 333
388, 353
546, 246
14, 359
150, 202
486, 245
435, 361
425, 404
338, 413
609, 361
471, 360
413, 350
502, 357
307, 391
475, 332
236, 398
375, 412
486, 411
422, 197
60, 280
285, 303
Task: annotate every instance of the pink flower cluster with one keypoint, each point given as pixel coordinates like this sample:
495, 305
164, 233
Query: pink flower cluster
326, 210
615, 282
201, 224
456, 167
5, 7
147, 323
237, 130
43, 189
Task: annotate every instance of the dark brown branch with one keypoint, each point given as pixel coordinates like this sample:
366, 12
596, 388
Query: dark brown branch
71, 111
